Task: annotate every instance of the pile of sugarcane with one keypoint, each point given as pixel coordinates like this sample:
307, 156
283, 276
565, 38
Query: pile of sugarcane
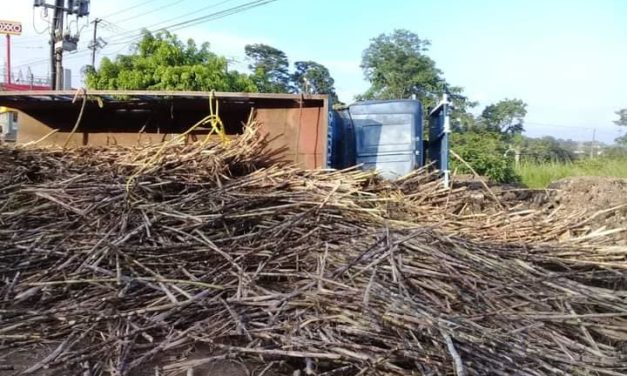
117, 260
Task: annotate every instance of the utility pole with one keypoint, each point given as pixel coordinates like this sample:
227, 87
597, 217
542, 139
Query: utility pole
94, 43
60, 42
594, 134
56, 35
8, 79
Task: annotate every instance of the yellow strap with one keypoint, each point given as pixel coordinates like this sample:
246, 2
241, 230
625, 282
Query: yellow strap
217, 128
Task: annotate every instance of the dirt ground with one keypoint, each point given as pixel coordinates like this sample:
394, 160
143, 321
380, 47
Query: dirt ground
15, 362
595, 193
605, 200
601, 201
575, 193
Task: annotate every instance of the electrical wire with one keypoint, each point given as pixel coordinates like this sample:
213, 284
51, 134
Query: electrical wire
175, 27
130, 36
150, 12
218, 15
139, 4
582, 127
27, 47
133, 33
35, 26
200, 20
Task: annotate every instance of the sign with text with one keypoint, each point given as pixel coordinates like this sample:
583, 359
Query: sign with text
10, 27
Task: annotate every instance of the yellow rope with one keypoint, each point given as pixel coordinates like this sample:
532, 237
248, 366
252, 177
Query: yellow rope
80, 115
217, 127
31, 143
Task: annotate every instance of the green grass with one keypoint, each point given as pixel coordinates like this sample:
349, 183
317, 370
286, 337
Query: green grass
540, 175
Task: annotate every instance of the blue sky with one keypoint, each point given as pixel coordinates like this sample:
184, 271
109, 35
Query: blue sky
566, 59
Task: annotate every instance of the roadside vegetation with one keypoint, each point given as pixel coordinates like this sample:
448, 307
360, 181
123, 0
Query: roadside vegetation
540, 175
397, 66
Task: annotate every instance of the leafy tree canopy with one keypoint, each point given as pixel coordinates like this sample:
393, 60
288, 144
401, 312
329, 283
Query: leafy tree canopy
548, 149
506, 116
396, 66
314, 78
622, 121
162, 62
270, 68
622, 117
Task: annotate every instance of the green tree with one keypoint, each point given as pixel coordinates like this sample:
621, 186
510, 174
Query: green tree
461, 118
506, 116
162, 62
397, 67
270, 68
314, 78
463, 121
546, 149
622, 117
622, 121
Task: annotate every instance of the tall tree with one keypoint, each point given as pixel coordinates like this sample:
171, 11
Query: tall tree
547, 149
162, 62
622, 117
506, 116
314, 78
622, 121
270, 68
396, 66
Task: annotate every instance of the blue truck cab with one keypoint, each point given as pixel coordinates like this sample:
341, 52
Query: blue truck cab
387, 136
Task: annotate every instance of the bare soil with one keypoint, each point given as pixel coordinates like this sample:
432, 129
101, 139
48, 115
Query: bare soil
595, 193
605, 200
575, 193
16, 362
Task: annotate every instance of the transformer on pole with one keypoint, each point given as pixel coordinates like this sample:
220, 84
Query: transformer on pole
59, 40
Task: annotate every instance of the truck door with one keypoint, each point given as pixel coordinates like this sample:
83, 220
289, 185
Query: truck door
388, 136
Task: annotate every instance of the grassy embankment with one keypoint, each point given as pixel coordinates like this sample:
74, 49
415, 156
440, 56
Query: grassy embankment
540, 175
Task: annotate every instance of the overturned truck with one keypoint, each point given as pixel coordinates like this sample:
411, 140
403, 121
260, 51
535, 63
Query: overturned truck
385, 135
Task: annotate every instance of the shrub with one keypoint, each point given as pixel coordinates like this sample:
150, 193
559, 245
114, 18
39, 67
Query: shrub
485, 152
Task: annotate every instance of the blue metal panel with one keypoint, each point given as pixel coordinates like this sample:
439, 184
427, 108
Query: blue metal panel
388, 135
439, 130
390, 166
335, 126
340, 140
384, 133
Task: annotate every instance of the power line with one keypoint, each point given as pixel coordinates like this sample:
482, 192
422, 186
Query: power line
178, 26
202, 19
117, 30
28, 47
558, 125
218, 15
581, 128
133, 33
34, 24
129, 37
124, 10
151, 11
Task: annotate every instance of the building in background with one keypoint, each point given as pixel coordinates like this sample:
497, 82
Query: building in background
8, 124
